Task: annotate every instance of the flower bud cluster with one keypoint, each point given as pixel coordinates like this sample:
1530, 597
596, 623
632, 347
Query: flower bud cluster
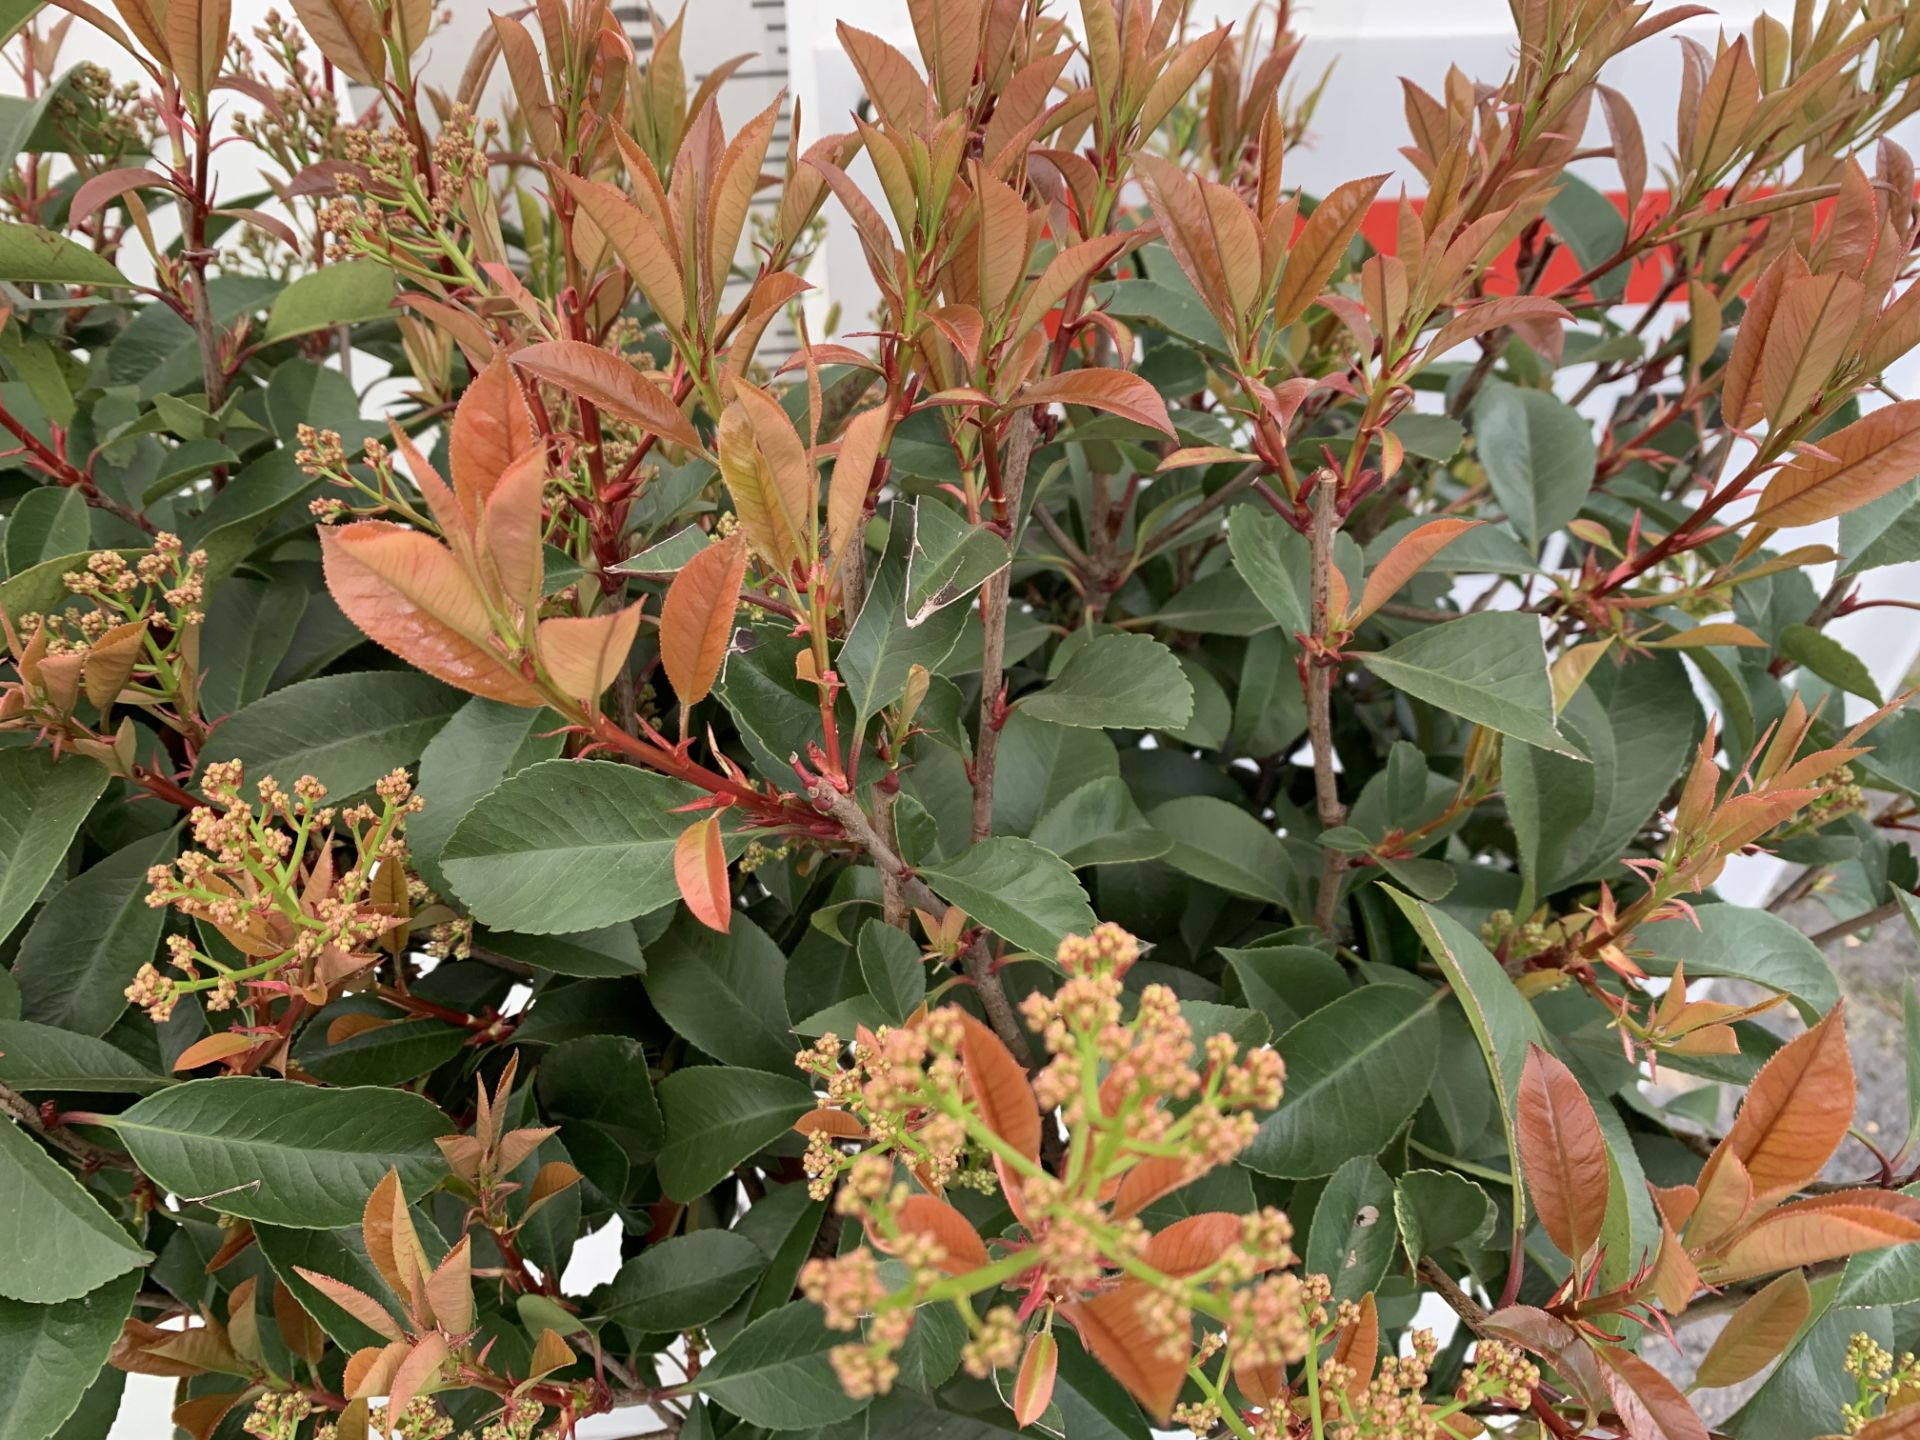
135, 644
267, 875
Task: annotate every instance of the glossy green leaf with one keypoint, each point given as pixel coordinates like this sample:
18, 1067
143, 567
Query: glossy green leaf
51, 1354
56, 1242
892, 966
725, 993
775, 1373
1117, 682
44, 525
1023, 893
1351, 1238
683, 1282
38, 1058
1221, 844
292, 1155
347, 731
1489, 669
718, 1116
335, 295
1356, 1071
1539, 456
45, 805
85, 946
32, 256
569, 845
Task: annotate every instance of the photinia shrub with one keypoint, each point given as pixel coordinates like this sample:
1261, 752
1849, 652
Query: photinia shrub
1127, 841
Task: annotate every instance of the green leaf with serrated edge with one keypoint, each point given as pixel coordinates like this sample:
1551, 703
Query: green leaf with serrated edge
1026, 895
32, 256
892, 966
84, 947
1273, 558
51, 1354
1884, 532
1434, 1209
1099, 824
37, 1058
717, 1116
1221, 844
292, 1155
1502, 1022
1539, 457
683, 1282
1117, 682
343, 294
881, 647
44, 807
775, 1373
347, 731
249, 625
725, 993
1350, 1240
1356, 1072
1748, 944
567, 845
1286, 983
482, 744
1826, 657
56, 1242
949, 559
1489, 669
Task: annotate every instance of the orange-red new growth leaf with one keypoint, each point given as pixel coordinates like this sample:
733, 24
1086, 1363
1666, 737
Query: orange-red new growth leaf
1810, 1231
1759, 1331
1405, 560
610, 383
1796, 1113
1562, 1152
931, 1216
1118, 392
700, 869
491, 430
1321, 242
696, 619
1033, 1390
583, 654
1189, 1246
1132, 1351
1649, 1405
408, 593
1000, 1087
1872, 456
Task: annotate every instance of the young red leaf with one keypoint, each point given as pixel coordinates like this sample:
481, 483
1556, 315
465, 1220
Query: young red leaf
1357, 1346
1189, 1246
348, 34
1563, 1154
1116, 391
513, 527
930, 1216
1405, 560
408, 594
1877, 453
1133, 1351
1000, 1087
1322, 241
852, 479
610, 383
1033, 1391
491, 430
696, 619
700, 869
1757, 1333
1650, 1406
1810, 1231
773, 484
582, 655
1796, 1113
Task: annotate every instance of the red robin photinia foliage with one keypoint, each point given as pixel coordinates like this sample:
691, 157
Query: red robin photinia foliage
1133, 839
